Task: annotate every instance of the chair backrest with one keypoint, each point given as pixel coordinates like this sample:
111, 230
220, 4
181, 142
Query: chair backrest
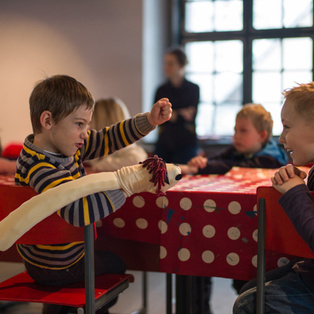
281, 235
51, 230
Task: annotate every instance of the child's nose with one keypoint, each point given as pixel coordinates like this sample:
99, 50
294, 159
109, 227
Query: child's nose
84, 134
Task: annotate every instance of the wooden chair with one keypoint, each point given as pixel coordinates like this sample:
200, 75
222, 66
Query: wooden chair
276, 233
86, 297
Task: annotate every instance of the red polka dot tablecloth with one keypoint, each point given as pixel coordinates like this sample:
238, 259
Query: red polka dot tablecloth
205, 225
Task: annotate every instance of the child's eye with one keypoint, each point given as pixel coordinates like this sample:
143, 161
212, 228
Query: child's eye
79, 124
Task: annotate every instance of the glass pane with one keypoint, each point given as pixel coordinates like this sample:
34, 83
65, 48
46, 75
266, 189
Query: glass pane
228, 15
200, 56
199, 17
267, 14
297, 53
205, 82
228, 88
204, 118
228, 56
275, 111
266, 54
298, 13
225, 118
292, 78
266, 87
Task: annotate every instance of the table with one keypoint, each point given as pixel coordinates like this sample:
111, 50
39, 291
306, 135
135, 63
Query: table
204, 226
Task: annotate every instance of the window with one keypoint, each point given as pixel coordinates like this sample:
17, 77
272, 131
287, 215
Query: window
245, 51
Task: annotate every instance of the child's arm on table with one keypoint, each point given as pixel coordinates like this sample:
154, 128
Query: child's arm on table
296, 201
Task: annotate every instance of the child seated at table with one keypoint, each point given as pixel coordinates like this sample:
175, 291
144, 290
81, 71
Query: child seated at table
290, 288
253, 146
61, 109
109, 111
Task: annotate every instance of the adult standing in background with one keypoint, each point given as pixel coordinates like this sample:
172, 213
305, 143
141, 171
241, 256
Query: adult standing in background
177, 139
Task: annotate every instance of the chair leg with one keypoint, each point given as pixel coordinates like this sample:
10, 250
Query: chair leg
260, 304
89, 269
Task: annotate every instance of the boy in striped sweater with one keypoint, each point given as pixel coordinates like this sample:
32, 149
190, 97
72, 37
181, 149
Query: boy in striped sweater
61, 109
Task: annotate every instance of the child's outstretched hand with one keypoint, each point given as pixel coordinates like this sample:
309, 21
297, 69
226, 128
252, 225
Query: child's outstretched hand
198, 161
161, 112
287, 177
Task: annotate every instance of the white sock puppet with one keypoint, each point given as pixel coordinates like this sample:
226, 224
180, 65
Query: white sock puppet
151, 176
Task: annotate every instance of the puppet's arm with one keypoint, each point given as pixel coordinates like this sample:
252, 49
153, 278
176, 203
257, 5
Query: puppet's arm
132, 179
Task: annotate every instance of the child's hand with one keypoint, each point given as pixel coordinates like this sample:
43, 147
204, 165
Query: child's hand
160, 113
287, 177
185, 169
198, 161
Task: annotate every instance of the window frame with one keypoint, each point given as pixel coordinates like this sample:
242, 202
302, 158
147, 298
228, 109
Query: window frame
247, 35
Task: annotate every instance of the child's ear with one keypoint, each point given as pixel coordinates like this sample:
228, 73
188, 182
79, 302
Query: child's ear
46, 120
263, 135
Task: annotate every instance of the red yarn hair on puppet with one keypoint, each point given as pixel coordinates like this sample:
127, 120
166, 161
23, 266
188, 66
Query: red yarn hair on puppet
156, 166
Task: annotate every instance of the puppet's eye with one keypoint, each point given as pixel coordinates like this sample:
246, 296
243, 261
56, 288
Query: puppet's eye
178, 177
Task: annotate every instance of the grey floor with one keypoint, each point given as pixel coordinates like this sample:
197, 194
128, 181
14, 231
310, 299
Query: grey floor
130, 300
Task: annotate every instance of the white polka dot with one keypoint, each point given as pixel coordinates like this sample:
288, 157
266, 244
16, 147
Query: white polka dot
255, 235
163, 252
185, 229
254, 260
138, 201
209, 231
234, 233
163, 227
184, 255
233, 259
210, 206
255, 209
234, 207
141, 223
185, 203
282, 261
119, 222
162, 202
208, 257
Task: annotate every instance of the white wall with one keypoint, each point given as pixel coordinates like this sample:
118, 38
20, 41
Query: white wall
98, 42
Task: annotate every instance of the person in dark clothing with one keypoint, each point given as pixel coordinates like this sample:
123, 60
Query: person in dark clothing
290, 289
177, 139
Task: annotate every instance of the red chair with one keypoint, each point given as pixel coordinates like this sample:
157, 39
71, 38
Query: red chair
276, 233
86, 297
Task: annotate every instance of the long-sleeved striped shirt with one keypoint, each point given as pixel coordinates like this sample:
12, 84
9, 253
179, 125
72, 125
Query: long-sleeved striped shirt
43, 170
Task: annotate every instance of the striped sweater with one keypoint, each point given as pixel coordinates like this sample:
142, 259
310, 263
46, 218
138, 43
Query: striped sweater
42, 170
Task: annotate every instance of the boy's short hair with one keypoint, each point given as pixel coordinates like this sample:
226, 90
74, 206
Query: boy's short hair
260, 118
302, 97
59, 94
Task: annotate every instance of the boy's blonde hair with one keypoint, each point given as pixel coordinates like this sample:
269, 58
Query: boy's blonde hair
59, 94
260, 118
109, 111
302, 97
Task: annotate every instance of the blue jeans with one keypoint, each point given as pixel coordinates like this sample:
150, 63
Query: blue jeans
287, 294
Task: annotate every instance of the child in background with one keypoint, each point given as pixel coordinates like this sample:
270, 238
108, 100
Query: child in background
61, 109
290, 289
107, 112
253, 146
8, 158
